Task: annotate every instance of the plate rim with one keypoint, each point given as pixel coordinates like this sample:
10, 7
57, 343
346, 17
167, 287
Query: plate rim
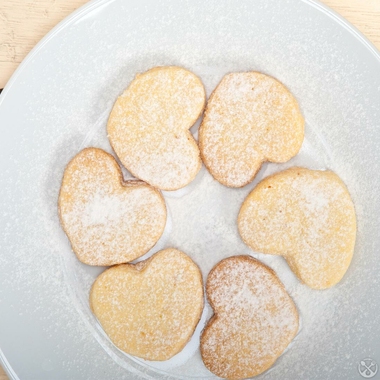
95, 4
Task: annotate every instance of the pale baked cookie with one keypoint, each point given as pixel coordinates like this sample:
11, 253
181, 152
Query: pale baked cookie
108, 221
149, 127
308, 217
150, 309
250, 118
254, 318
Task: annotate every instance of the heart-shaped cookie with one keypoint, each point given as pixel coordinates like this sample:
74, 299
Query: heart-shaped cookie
149, 127
308, 217
108, 221
150, 309
254, 318
250, 118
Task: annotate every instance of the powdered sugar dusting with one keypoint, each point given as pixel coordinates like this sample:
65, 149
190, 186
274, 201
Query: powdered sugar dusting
62, 98
148, 127
107, 222
254, 321
250, 118
104, 210
150, 309
306, 216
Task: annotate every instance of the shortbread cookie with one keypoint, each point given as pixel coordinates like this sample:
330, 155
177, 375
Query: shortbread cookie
308, 217
254, 318
108, 221
150, 309
250, 118
149, 127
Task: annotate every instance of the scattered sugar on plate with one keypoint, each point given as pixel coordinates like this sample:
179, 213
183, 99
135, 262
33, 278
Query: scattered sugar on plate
35, 252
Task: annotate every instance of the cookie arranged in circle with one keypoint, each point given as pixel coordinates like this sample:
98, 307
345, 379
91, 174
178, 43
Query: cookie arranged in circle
254, 319
152, 308
308, 217
149, 127
108, 221
250, 118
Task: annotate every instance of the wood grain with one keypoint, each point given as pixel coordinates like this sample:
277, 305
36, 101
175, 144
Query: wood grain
364, 14
24, 22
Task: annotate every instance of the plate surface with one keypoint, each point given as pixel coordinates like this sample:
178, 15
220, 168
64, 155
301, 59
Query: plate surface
58, 102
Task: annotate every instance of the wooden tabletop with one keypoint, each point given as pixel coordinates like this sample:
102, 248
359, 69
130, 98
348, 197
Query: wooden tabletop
24, 22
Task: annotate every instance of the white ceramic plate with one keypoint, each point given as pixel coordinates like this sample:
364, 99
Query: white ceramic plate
58, 102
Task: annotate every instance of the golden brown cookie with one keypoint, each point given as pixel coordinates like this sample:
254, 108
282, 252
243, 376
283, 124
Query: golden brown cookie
308, 217
254, 318
150, 309
250, 118
108, 221
149, 127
